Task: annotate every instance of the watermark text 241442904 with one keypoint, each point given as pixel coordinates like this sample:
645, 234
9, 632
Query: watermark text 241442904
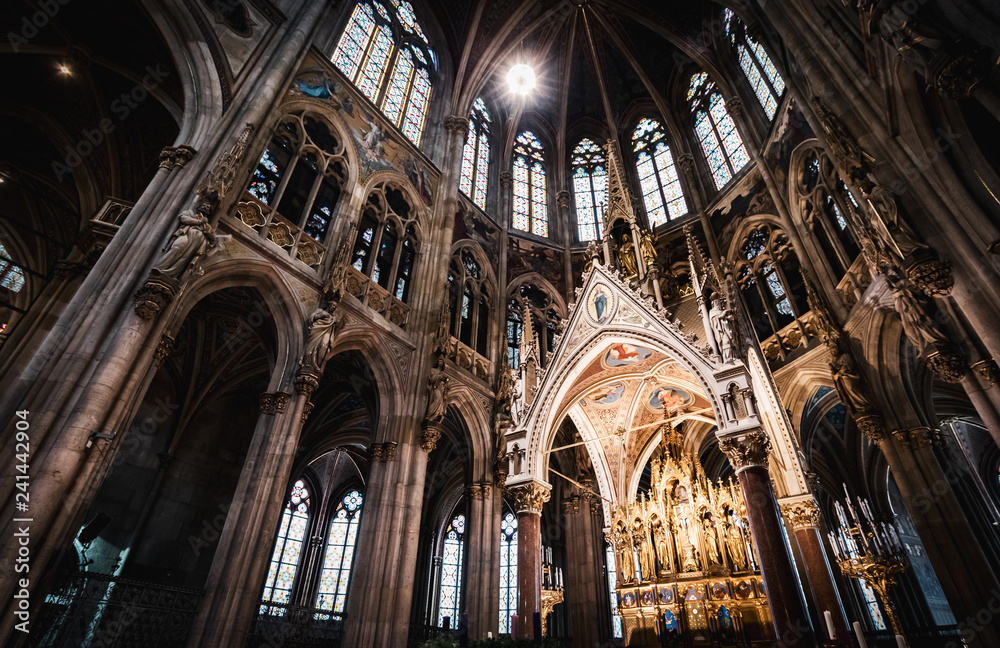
22, 523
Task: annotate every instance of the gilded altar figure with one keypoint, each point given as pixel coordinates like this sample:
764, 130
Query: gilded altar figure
663, 547
626, 257
737, 551
626, 561
711, 542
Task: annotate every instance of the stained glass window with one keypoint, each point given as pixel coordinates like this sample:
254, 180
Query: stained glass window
590, 188
508, 570
661, 188
451, 571
331, 595
11, 274
760, 72
379, 37
514, 334
616, 620
476, 155
716, 131
530, 204
287, 550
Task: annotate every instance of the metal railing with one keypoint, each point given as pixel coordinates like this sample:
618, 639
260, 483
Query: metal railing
292, 626
92, 610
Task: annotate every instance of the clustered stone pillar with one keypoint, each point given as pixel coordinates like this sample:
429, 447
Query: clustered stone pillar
748, 453
584, 573
804, 516
482, 559
528, 500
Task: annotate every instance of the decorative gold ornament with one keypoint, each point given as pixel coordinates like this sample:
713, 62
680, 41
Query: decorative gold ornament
273, 402
880, 574
748, 450
988, 370
871, 425
529, 497
802, 515
550, 598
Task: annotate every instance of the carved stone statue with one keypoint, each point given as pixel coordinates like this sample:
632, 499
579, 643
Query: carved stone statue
917, 323
323, 328
663, 547
626, 561
724, 328
711, 542
193, 239
734, 544
437, 391
647, 248
626, 257
848, 381
645, 553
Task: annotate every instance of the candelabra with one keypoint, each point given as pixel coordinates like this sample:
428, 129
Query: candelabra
552, 586
869, 550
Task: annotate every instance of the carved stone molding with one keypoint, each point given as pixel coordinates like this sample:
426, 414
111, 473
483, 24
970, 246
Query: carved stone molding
429, 436
802, 515
163, 349
273, 402
988, 370
958, 76
562, 199
154, 296
871, 425
748, 450
456, 124
506, 180
686, 162
529, 498
67, 270
306, 382
172, 157
735, 106
381, 452
570, 505
306, 411
479, 490
921, 437
930, 273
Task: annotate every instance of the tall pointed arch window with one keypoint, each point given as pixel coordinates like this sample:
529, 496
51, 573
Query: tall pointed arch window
469, 301
829, 209
452, 560
757, 67
661, 188
287, 551
508, 570
11, 274
385, 248
769, 276
385, 53
476, 155
590, 188
331, 596
716, 130
530, 204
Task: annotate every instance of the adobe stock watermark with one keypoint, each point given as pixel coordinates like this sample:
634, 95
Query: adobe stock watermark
121, 107
32, 24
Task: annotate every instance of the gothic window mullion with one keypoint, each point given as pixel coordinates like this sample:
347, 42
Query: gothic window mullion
786, 286
766, 298
280, 191
718, 136
307, 207
831, 235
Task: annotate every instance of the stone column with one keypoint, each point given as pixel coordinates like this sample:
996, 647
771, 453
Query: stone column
482, 560
232, 590
748, 453
583, 571
528, 500
804, 516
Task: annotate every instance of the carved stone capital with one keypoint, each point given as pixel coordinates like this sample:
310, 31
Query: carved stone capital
306, 382
947, 362
506, 180
306, 411
479, 490
456, 124
381, 452
686, 162
163, 349
747, 450
735, 106
154, 296
958, 76
67, 270
570, 505
429, 436
988, 370
930, 273
921, 437
529, 498
562, 199
273, 402
871, 425
802, 515
176, 156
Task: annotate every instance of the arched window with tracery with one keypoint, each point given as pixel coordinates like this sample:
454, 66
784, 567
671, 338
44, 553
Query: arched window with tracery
590, 189
383, 36
335, 575
11, 274
476, 155
757, 67
716, 130
287, 551
530, 201
769, 276
661, 188
544, 316
508, 570
452, 562
828, 208
469, 301
293, 193
385, 250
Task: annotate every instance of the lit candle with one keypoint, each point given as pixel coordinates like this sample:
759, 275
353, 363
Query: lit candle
860, 635
900, 642
829, 624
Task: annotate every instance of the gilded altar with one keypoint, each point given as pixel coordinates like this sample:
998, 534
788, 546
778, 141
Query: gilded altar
686, 565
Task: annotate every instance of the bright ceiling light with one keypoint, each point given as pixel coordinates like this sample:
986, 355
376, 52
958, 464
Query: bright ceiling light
521, 79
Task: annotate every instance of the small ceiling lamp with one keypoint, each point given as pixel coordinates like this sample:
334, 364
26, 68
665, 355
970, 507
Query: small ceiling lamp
521, 79
63, 68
